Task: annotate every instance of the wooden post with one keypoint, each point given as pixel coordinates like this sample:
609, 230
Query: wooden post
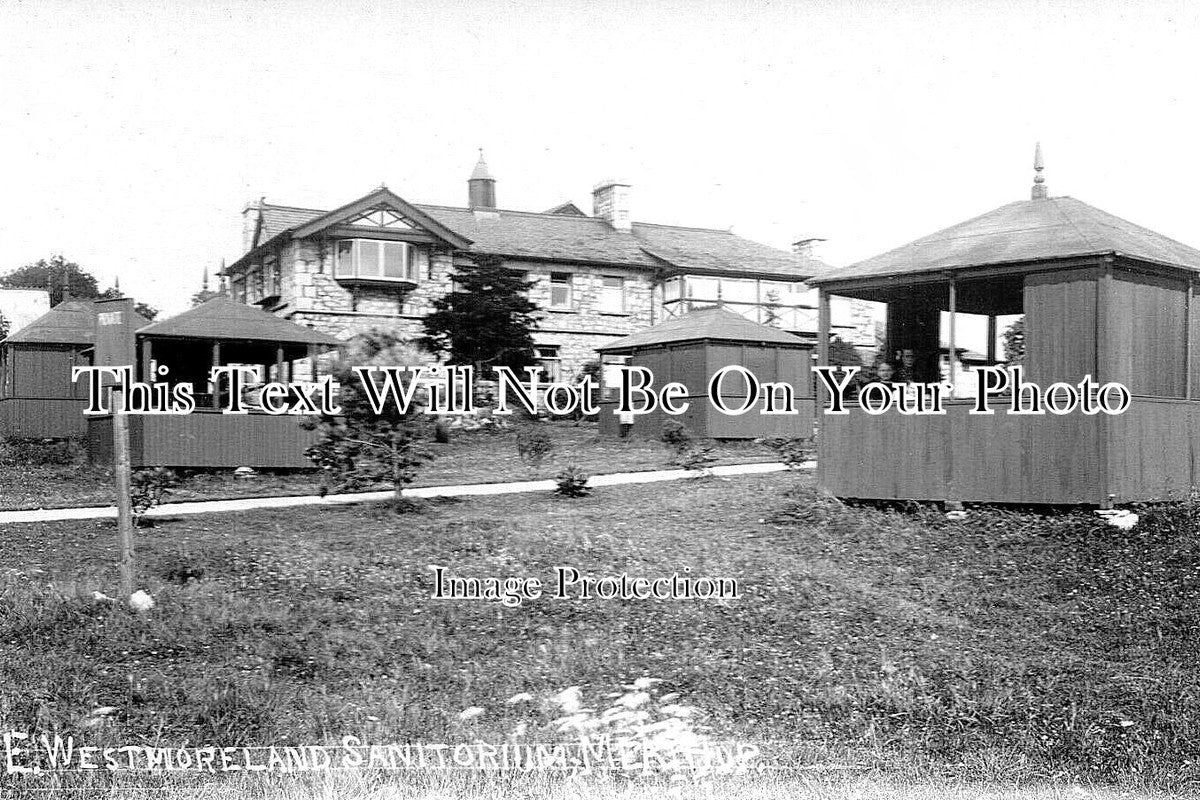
823, 322
216, 384
1188, 346
124, 505
279, 365
991, 343
953, 314
147, 357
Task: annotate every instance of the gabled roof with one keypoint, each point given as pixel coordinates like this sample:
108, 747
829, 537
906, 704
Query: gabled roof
560, 235
1026, 231
568, 208
223, 318
69, 322
706, 324
386, 197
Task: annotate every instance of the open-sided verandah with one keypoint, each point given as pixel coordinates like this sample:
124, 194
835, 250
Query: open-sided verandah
183, 349
1100, 297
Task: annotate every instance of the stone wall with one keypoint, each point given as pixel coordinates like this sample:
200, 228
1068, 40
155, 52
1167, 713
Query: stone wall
312, 297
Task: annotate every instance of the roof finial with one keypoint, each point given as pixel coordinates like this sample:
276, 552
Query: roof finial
1040, 192
117, 285
204, 280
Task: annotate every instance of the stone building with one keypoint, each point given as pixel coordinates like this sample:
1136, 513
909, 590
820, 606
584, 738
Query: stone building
380, 261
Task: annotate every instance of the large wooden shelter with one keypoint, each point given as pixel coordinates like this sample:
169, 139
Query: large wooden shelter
1100, 297
37, 397
220, 332
690, 349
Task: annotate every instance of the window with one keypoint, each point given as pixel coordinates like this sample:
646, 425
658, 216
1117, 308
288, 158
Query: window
560, 290
550, 362
612, 295
375, 260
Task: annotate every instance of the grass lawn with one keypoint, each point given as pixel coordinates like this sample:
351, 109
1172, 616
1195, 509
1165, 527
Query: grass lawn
474, 457
940, 656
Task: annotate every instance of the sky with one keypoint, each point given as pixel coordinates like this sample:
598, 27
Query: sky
132, 134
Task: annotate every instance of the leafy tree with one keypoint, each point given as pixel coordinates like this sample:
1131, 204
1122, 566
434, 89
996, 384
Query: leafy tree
487, 321
1014, 342
359, 447
4, 325
43, 274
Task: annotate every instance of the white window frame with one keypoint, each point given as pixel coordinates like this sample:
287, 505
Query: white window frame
621, 294
411, 263
549, 361
569, 283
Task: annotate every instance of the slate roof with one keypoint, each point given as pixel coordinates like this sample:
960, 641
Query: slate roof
1028, 230
69, 322
569, 237
706, 324
223, 318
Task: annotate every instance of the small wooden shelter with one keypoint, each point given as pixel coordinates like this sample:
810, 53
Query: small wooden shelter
690, 349
1100, 297
183, 348
37, 397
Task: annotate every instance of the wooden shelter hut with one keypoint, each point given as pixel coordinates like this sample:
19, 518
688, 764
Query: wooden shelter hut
219, 332
1100, 297
690, 349
37, 396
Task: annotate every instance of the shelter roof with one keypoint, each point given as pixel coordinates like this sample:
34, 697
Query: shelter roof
69, 322
1035, 230
223, 318
706, 324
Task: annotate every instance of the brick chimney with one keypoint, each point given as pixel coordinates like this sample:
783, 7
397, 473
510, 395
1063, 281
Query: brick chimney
250, 216
806, 248
610, 202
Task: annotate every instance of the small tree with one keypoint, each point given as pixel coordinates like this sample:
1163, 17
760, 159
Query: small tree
487, 321
1014, 342
770, 308
4, 326
359, 447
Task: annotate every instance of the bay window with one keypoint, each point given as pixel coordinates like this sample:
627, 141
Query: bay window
375, 260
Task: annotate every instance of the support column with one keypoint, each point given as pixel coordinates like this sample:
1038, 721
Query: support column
1188, 347
822, 341
147, 361
953, 314
991, 342
216, 384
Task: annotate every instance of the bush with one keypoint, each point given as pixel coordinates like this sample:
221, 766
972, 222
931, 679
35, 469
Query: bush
572, 482
688, 453
793, 452
533, 446
147, 488
17, 451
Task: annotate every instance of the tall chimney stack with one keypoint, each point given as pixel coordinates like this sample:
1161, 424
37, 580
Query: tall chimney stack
250, 217
481, 186
610, 202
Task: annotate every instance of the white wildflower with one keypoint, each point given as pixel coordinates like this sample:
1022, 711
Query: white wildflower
522, 697
469, 713
141, 601
569, 700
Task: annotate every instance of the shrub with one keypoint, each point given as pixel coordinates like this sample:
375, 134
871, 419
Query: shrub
572, 482
20, 451
793, 452
147, 488
688, 453
533, 446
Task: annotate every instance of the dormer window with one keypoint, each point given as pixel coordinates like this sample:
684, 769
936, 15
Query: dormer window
375, 260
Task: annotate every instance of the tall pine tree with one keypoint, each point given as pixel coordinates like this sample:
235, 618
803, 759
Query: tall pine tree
487, 321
